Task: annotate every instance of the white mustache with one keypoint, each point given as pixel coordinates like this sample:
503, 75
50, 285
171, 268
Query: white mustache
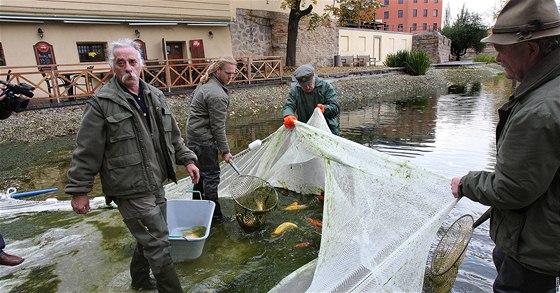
129, 75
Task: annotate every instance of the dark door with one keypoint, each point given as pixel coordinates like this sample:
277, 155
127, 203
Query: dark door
175, 51
197, 49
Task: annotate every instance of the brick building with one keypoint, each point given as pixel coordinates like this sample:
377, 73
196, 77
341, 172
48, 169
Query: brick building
411, 15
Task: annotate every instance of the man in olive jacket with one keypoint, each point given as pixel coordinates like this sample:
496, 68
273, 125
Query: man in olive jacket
130, 138
206, 128
311, 92
524, 189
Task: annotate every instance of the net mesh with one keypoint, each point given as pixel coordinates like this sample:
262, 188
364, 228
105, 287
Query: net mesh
449, 253
381, 214
254, 198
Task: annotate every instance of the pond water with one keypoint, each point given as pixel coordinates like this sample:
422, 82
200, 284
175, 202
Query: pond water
449, 131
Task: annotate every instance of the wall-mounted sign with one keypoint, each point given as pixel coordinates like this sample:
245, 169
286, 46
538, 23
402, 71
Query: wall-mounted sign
44, 54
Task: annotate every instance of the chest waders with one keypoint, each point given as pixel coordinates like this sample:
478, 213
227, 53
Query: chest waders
150, 231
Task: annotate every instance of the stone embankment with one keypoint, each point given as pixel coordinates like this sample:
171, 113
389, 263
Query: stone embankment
353, 90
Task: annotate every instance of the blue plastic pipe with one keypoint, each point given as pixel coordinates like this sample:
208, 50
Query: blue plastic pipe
32, 193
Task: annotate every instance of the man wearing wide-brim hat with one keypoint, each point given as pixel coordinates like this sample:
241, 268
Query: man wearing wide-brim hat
524, 189
309, 93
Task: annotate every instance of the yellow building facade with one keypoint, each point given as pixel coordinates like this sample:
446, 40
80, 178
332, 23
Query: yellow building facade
32, 32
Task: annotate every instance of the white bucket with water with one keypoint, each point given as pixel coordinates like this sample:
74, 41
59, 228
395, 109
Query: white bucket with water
183, 214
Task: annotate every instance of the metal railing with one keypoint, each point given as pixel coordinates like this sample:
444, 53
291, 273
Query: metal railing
59, 83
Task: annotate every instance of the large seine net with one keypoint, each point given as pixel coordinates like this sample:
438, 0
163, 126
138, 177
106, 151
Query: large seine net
381, 214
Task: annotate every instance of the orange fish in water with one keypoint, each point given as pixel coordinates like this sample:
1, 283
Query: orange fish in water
314, 222
302, 245
283, 228
295, 206
321, 197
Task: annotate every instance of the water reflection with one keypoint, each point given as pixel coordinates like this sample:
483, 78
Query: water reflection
450, 134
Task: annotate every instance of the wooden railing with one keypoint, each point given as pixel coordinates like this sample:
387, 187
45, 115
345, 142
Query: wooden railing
59, 83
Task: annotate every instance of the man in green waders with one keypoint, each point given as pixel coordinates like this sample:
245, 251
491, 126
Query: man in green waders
130, 138
311, 92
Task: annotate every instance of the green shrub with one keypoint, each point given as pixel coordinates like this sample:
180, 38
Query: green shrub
414, 62
485, 58
418, 63
397, 60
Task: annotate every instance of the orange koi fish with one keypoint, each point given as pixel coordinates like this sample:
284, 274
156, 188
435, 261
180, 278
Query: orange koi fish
295, 206
314, 222
302, 245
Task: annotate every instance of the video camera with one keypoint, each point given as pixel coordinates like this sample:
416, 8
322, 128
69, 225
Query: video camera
17, 96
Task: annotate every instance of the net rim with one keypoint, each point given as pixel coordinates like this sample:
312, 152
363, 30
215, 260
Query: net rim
443, 272
234, 196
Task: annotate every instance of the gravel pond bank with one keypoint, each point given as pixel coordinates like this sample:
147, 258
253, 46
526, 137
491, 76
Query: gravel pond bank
39, 125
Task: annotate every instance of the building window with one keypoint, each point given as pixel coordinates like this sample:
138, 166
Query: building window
400, 27
92, 52
414, 12
424, 26
2, 59
400, 13
425, 1
435, 12
414, 27
386, 2
415, 1
435, 1
435, 26
386, 14
400, 1
425, 13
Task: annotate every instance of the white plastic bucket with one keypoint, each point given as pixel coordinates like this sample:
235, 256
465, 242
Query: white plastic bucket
184, 213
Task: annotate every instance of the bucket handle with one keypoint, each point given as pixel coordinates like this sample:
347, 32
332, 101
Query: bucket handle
193, 192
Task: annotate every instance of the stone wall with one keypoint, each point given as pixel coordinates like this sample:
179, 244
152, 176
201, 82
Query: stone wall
471, 53
435, 44
251, 33
265, 33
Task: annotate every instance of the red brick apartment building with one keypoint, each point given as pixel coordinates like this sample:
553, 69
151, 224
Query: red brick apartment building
410, 15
